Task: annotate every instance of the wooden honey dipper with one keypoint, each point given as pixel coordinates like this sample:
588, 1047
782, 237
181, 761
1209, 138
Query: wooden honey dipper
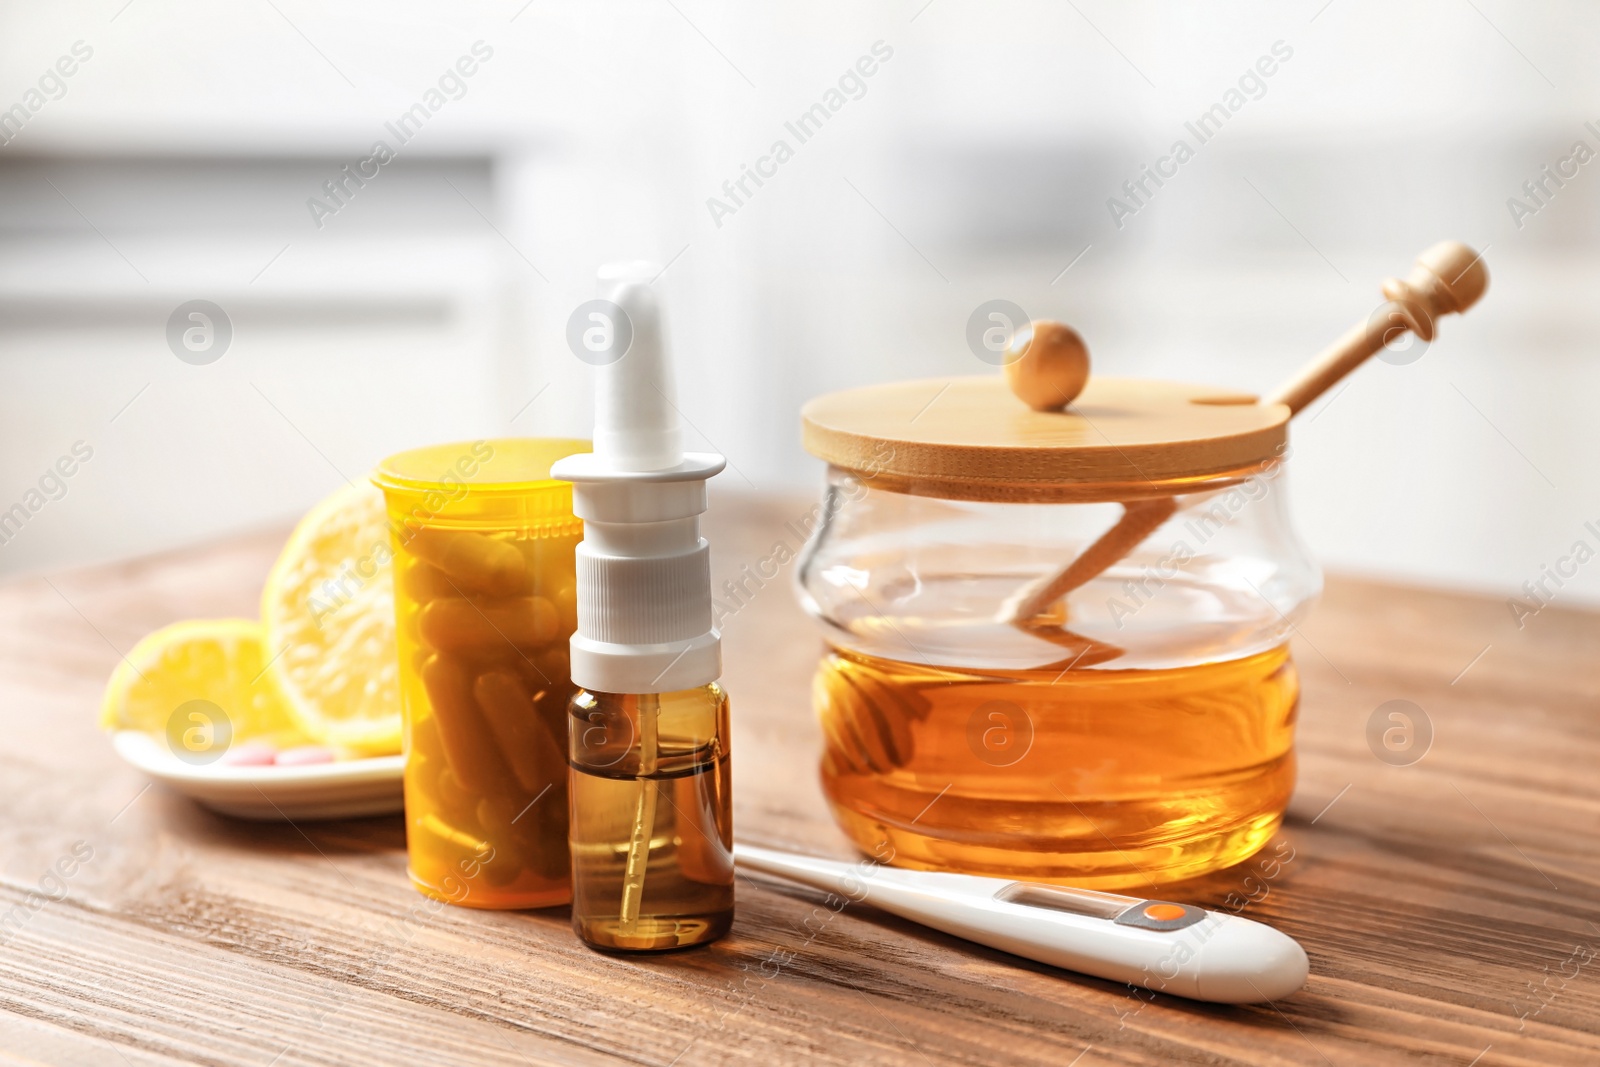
1049, 365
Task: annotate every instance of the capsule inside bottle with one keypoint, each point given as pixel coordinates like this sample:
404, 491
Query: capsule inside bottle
483, 569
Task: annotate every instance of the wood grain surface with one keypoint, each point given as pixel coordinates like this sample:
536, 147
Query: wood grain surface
1451, 908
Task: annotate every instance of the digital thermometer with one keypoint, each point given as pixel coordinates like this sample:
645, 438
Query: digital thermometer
1154, 944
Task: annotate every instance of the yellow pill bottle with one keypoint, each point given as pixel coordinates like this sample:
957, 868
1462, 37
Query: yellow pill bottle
485, 603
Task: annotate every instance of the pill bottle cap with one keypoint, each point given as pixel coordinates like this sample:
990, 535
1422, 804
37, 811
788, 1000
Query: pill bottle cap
645, 622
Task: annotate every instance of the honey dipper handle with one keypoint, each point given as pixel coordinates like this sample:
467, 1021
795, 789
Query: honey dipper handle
1139, 520
1449, 277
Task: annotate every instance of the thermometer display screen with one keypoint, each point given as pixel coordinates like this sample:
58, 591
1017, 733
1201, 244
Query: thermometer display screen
1074, 901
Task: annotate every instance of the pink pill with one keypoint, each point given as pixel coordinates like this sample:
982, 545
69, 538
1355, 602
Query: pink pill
250, 754
305, 754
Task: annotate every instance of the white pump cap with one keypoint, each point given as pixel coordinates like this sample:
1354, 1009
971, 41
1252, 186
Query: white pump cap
644, 571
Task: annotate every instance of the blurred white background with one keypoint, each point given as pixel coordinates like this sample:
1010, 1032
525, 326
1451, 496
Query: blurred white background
177, 162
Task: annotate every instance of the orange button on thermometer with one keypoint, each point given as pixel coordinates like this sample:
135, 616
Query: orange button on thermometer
1162, 915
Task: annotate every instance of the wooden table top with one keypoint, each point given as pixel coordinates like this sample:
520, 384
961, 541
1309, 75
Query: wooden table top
1450, 908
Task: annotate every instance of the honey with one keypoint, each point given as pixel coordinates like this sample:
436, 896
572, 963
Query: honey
1099, 778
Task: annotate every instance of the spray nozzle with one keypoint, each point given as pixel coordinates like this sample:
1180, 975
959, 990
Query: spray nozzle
636, 416
645, 623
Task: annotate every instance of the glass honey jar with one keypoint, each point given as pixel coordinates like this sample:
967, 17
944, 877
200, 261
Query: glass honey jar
1058, 641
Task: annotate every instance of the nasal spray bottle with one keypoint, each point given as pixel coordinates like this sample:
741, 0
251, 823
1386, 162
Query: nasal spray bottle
651, 827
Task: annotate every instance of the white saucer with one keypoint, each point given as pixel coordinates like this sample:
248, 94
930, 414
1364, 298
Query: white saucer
340, 790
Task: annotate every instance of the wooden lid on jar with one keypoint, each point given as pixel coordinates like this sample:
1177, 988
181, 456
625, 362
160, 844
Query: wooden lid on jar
970, 438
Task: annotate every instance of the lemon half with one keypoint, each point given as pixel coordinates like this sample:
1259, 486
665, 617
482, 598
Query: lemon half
328, 616
215, 665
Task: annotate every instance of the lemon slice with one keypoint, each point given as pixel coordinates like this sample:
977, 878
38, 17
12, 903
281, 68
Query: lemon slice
328, 612
202, 685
